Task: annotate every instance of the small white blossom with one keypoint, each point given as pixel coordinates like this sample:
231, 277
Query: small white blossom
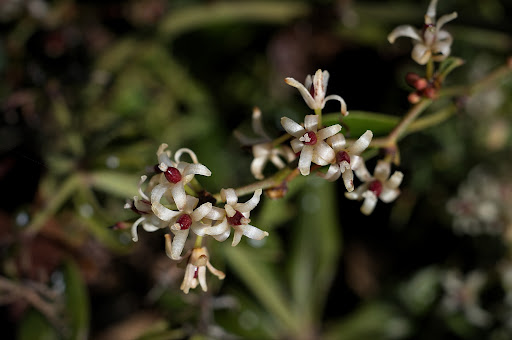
379, 186
314, 89
345, 157
262, 148
461, 294
310, 142
235, 215
430, 41
179, 173
181, 221
142, 206
195, 272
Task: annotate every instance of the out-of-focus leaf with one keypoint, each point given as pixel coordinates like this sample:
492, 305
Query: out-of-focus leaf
263, 283
194, 17
421, 291
317, 246
77, 302
357, 122
35, 326
115, 183
448, 65
371, 321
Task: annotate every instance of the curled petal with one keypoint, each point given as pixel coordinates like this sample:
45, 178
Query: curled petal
229, 196
230, 211
311, 123
361, 144
320, 85
216, 230
216, 214
305, 160
388, 195
141, 193
303, 91
180, 237
215, 271
191, 203
250, 204
135, 224
201, 212
328, 131
358, 193
370, 200
237, 237
196, 169
188, 279
179, 196
222, 237
395, 180
332, 174
359, 166
292, 127
421, 54
404, 31
179, 152
257, 124
163, 155
158, 209
257, 165
444, 19
252, 232
277, 161
323, 151
296, 145
430, 17
348, 179
337, 142
344, 111
382, 170
201, 275
261, 150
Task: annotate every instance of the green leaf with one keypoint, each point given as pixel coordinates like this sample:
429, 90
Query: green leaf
448, 65
317, 246
263, 283
357, 122
114, 183
77, 302
34, 326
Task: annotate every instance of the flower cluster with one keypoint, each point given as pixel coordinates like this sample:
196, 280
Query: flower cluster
170, 201
430, 42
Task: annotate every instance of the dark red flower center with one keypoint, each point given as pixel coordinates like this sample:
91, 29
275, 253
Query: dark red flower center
196, 272
236, 219
185, 221
342, 156
309, 138
376, 187
312, 90
173, 175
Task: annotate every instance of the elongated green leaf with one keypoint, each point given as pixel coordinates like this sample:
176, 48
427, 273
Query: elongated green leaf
115, 183
357, 122
194, 17
317, 245
263, 283
77, 302
35, 326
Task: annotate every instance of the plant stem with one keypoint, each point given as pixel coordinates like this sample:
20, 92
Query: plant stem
409, 117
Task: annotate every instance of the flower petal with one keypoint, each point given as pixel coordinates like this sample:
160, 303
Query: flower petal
215, 271
250, 204
328, 131
201, 212
323, 151
296, 145
303, 91
201, 275
404, 31
388, 195
444, 19
421, 54
306, 156
361, 144
135, 224
337, 142
158, 209
252, 232
178, 242
344, 111
196, 169
179, 196
229, 196
395, 180
257, 166
292, 127
382, 170
369, 203
348, 179
311, 123
332, 174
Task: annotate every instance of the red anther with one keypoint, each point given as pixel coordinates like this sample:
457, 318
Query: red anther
342, 156
312, 90
195, 273
376, 187
185, 221
312, 138
173, 175
236, 219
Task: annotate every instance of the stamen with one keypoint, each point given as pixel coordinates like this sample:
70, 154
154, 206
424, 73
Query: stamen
309, 138
185, 221
376, 187
342, 156
173, 175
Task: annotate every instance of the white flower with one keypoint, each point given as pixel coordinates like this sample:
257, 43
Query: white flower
310, 142
179, 173
313, 91
430, 41
345, 157
234, 215
195, 272
262, 148
180, 221
142, 206
380, 185
461, 294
